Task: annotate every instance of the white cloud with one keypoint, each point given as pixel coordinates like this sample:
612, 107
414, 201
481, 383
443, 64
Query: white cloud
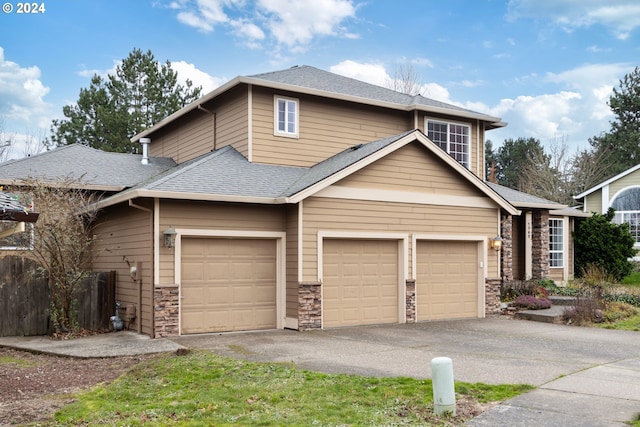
22, 96
619, 16
295, 23
290, 23
371, 73
189, 71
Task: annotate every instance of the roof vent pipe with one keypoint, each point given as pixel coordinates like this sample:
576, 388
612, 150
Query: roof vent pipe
145, 150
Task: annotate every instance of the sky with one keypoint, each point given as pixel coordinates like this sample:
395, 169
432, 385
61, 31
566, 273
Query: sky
546, 67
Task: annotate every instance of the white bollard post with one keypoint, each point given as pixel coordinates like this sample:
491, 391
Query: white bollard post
444, 395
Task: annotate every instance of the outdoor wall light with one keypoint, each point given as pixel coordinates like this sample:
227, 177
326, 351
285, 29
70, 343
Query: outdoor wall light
169, 237
496, 243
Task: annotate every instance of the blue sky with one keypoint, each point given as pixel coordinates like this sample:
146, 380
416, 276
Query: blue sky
547, 67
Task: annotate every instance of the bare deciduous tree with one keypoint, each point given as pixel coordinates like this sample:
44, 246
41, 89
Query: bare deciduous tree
62, 241
405, 79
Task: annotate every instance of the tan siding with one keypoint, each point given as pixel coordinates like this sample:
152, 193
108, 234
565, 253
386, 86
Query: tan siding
186, 138
223, 123
594, 202
631, 180
213, 216
556, 274
366, 216
326, 128
232, 118
124, 236
411, 168
292, 262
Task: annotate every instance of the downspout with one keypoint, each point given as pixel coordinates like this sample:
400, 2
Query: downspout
139, 290
214, 118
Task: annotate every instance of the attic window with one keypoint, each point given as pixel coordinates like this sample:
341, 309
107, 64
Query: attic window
454, 138
286, 117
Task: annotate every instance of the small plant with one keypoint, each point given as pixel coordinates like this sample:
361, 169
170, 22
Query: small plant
531, 302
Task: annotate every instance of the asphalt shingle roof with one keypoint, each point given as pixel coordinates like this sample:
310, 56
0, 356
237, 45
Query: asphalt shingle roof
311, 77
97, 168
226, 172
518, 198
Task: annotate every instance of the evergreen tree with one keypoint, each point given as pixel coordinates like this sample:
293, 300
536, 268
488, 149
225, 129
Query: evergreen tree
110, 111
623, 140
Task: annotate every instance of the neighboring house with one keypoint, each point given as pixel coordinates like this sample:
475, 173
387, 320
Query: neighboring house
622, 193
302, 199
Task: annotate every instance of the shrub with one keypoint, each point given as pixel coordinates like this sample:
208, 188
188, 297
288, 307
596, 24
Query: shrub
531, 302
601, 243
616, 311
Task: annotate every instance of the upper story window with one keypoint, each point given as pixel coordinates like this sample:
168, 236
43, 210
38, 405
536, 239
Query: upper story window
556, 243
454, 138
627, 206
286, 117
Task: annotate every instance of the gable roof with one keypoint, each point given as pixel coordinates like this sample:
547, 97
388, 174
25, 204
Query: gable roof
93, 169
313, 81
607, 182
226, 175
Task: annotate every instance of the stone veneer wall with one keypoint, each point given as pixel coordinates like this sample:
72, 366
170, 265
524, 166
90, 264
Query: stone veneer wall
492, 295
166, 311
506, 257
410, 299
540, 245
309, 306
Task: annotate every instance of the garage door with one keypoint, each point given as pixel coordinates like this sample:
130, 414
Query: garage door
360, 282
228, 285
447, 280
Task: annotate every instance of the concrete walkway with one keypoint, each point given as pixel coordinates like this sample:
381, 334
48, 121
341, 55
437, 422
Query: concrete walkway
585, 376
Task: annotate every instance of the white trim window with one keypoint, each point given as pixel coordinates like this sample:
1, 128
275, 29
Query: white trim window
285, 117
556, 243
627, 206
454, 138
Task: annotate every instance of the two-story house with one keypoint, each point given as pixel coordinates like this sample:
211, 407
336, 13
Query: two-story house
302, 199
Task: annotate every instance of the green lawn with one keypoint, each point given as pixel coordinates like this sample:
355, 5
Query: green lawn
633, 279
201, 388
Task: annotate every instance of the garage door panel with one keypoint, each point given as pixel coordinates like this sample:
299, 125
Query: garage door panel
360, 283
228, 285
447, 280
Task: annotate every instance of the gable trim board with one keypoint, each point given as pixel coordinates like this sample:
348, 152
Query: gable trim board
279, 237
607, 182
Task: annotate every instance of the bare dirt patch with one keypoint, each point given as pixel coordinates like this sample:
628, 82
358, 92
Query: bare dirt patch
34, 386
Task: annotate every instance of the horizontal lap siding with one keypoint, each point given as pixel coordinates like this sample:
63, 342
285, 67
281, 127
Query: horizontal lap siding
200, 132
412, 168
213, 216
292, 262
593, 202
125, 234
324, 214
326, 128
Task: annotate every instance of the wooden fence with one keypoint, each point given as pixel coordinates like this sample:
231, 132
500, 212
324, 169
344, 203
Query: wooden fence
24, 299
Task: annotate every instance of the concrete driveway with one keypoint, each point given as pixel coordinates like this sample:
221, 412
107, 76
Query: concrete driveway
585, 376
493, 350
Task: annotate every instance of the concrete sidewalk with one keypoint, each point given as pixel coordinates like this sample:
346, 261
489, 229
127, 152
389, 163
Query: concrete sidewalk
585, 376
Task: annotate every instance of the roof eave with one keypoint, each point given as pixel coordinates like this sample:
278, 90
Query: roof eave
54, 184
145, 193
494, 122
